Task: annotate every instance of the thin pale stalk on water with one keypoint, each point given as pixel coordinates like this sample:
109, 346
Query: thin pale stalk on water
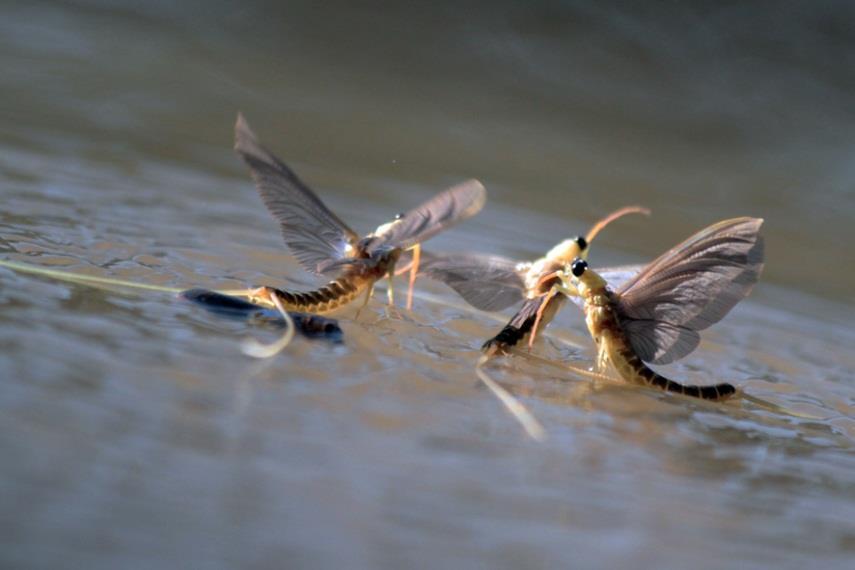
252, 347
526, 419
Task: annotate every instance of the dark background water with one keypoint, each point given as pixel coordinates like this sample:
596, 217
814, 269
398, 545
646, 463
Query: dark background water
699, 111
132, 431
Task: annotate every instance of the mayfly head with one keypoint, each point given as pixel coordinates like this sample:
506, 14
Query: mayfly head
582, 278
569, 249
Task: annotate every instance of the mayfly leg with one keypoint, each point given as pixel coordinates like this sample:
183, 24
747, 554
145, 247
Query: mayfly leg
556, 289
539, 317
543, 305
414, 269
368, 294
390, 291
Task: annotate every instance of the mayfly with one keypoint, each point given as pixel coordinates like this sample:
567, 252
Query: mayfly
493, 283
325, 245
655, 317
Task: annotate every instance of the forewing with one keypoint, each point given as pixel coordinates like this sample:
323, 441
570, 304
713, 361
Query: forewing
489, 283
313, 233
659, 342
519, 326
689, 288
454, 205
619, 276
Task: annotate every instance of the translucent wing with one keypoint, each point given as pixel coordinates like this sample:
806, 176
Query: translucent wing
689, 288
443, 210
522, 323
489, 283
616, 277
519, 326
313, 233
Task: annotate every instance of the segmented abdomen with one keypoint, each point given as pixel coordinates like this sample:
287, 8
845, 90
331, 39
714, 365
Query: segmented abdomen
645, 375
328, 298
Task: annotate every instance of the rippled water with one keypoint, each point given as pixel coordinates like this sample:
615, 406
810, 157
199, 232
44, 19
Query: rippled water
133, 432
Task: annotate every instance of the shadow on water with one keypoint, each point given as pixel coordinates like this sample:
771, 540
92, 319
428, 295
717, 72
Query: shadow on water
134, 432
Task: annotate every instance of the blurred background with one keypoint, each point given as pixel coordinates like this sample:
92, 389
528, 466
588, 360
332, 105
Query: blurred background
129, 434
699, 110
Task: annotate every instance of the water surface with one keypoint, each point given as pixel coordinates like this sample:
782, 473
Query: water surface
135, 434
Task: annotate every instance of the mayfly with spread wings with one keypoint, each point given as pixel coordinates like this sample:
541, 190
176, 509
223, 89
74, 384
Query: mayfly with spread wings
493, 283
655, 316
326, 246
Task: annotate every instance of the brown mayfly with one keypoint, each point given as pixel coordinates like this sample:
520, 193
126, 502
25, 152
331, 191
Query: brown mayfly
655, 316
325, 245
493, 283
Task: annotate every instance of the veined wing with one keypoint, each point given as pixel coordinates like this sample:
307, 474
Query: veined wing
489, 283
522, 323
616, 277
518, 327
620, 275
454, 205
689, 288
313, 233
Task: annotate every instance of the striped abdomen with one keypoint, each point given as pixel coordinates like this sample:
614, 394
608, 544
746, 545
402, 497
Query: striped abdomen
614, 347
633, 365
328, 298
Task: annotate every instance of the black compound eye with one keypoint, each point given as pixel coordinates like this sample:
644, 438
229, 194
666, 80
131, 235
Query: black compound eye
581, 242
399, 216
578, 267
